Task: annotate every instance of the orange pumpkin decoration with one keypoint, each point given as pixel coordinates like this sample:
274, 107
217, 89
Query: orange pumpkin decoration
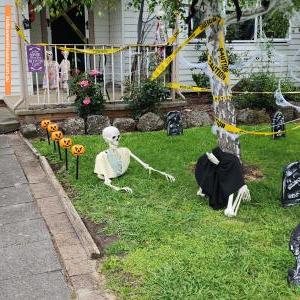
52, 127
56, 135
45, 123
65, 143
77, 150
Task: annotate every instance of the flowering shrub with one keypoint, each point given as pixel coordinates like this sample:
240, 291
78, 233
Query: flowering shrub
89, 99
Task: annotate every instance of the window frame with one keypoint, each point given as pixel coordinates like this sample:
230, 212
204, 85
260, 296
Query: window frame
256, 35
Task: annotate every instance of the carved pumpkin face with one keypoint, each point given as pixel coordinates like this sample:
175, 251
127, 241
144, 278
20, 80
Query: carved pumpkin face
52, 127
56, 135
77, 150
65, 143
45, 123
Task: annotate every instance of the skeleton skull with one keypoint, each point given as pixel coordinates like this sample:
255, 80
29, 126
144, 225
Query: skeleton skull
111, 135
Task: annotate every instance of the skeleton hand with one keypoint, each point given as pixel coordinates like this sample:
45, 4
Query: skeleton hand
212, 158
200, 192
168, 176
125, 189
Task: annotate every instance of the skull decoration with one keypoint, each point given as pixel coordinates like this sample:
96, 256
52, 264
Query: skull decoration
111, 135
52, 127
45, 123
77, 150
65, 143
56, 135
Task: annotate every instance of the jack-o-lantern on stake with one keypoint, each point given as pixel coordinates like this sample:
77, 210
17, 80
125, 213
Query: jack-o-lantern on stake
51, 128
55, 137
66, 143
44, 125
77, 150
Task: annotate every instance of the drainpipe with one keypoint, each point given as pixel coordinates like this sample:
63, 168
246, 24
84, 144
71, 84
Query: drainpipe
23, 69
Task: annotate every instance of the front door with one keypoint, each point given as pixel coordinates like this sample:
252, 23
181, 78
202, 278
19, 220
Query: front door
70, 29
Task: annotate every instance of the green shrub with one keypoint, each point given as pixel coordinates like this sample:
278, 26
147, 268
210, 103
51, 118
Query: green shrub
146, 96
262, 82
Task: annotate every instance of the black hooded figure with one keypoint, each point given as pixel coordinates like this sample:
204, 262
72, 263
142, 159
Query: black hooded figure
218, 182
294, 274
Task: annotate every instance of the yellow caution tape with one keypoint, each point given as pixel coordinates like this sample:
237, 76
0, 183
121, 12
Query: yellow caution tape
233, 129
165, 63
177, 86
222, 98
93, 51
172, 38
21, 34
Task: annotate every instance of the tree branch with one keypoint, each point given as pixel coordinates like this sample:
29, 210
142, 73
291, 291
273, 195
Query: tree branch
253, 12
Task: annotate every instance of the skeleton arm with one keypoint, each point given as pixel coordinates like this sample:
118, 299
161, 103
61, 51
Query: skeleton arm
147, 167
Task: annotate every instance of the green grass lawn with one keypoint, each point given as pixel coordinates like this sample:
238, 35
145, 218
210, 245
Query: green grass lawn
171, 244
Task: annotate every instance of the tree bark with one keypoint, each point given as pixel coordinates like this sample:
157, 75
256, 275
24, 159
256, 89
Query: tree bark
224, 109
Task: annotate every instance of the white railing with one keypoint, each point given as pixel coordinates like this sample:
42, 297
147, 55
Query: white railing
115, 69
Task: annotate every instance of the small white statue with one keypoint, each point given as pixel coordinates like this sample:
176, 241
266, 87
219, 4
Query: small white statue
51, 76
65, 71
114, 161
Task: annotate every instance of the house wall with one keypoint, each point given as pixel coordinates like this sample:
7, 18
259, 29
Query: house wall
15, 86
280, 67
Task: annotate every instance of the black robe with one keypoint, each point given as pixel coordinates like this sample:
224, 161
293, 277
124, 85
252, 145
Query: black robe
219, 181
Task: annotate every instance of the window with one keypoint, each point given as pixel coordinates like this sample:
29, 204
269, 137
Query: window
274, 26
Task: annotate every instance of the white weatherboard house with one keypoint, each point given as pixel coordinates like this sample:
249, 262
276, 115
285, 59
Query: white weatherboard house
102, 29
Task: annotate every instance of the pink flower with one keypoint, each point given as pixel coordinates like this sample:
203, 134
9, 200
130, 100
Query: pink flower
84, 83
86, 101
94, 73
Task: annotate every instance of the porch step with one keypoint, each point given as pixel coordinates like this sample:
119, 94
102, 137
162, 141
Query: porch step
8, 121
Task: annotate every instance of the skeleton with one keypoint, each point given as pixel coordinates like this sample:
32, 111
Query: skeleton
115, 161
233, 205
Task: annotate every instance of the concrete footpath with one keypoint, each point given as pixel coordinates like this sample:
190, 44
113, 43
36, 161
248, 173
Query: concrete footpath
41, 256
29, 264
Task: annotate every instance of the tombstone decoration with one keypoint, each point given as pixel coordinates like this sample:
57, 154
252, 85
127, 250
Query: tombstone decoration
291, 185
174, 123
294, 274
278, 125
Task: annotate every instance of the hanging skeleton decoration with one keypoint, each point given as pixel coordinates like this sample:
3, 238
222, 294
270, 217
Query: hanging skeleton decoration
115, 161
219, 175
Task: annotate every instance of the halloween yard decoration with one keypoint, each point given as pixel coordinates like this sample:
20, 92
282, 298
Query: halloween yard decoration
219, 175
55, 137
291, 185
44, 125
77, 150
294, 274
51, 128
66, 143
114, 161
278, 125
174, 123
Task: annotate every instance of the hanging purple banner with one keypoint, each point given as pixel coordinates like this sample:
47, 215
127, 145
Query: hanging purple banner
35, 58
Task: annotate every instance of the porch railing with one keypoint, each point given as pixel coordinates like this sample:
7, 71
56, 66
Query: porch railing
115, 71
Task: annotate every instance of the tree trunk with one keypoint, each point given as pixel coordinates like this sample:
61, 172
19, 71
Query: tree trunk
224, 109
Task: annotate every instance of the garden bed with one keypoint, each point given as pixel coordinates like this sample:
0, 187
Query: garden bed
164, 242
